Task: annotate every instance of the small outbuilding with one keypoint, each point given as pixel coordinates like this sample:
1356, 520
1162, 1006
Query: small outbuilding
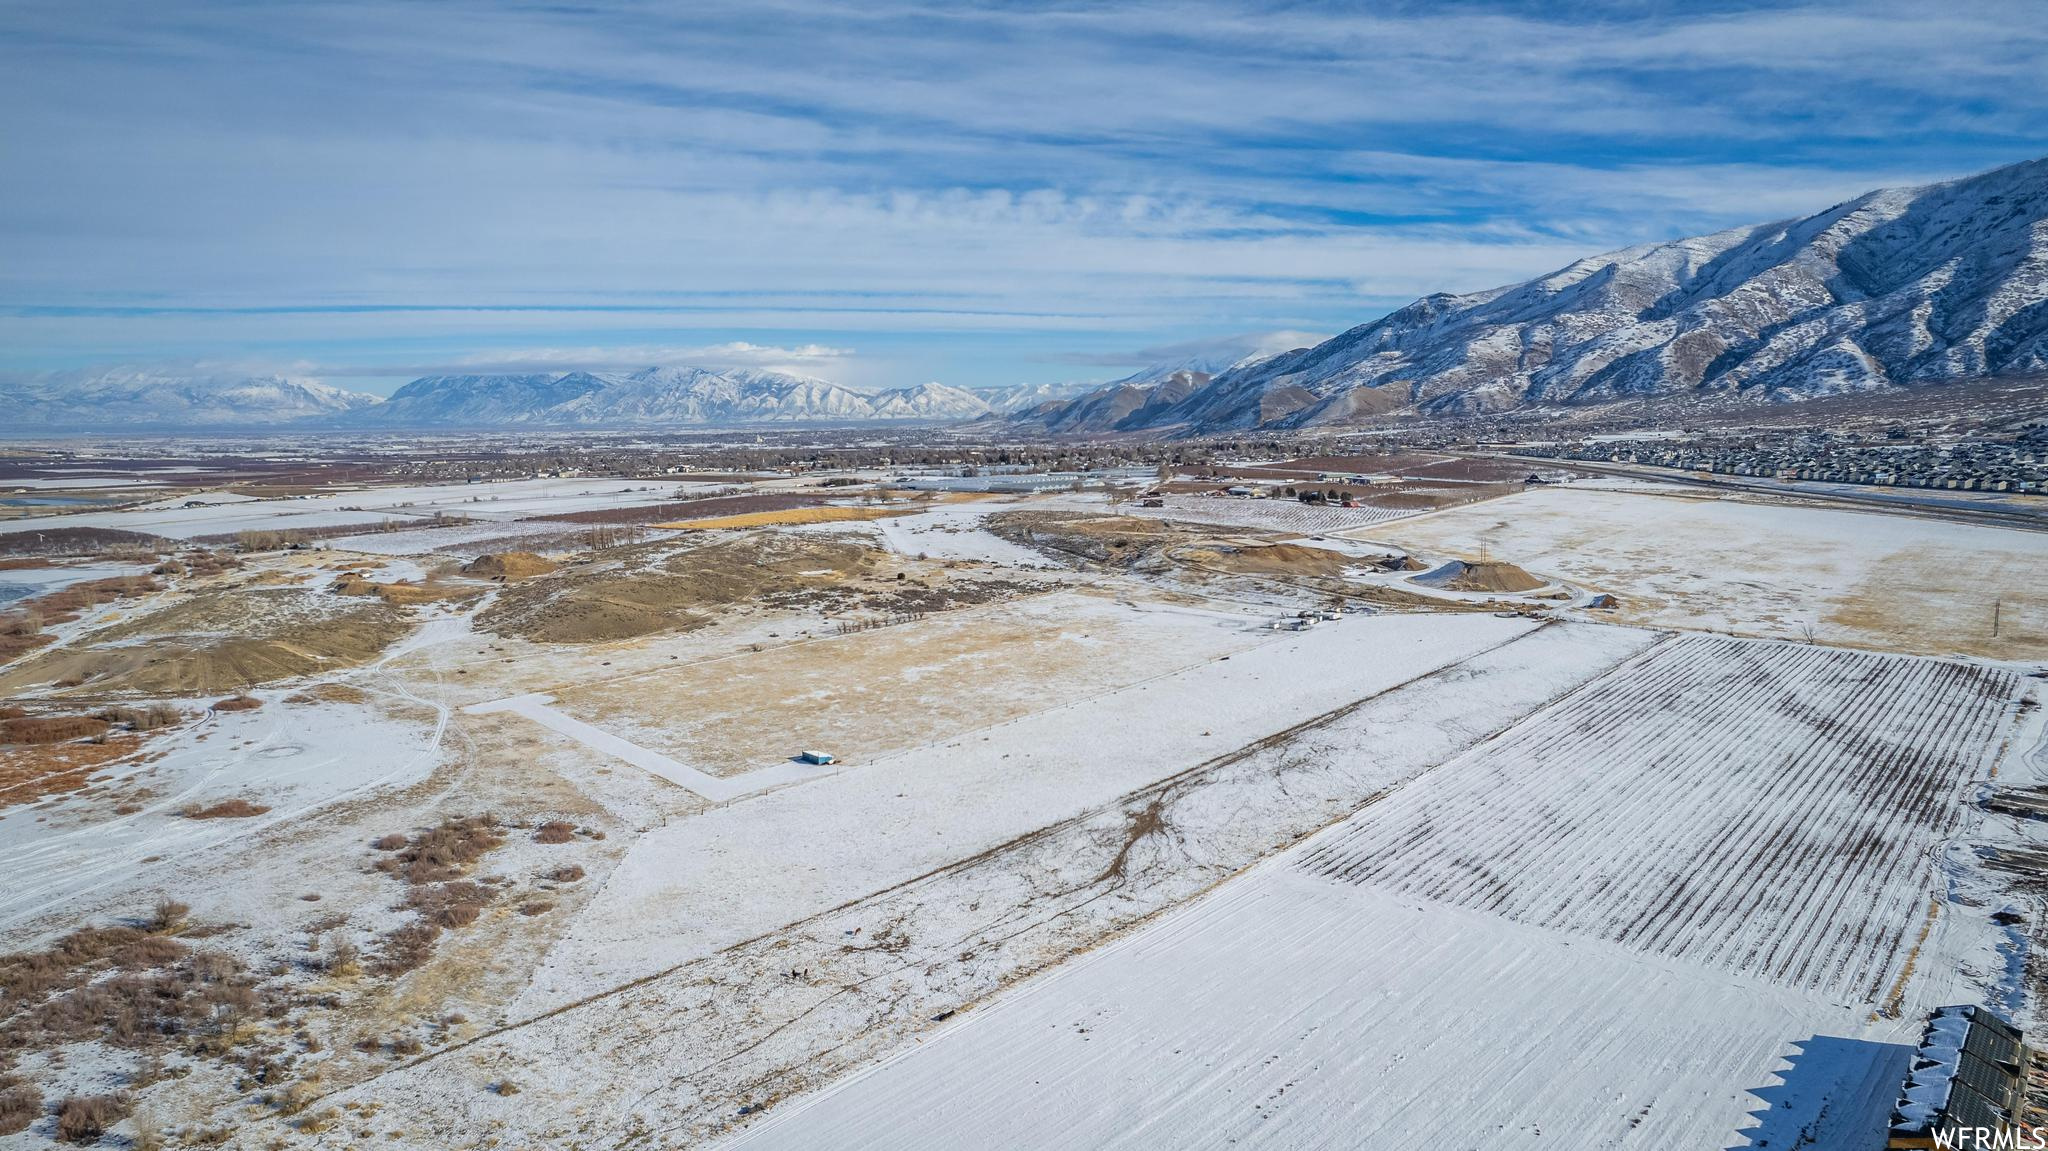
820, 758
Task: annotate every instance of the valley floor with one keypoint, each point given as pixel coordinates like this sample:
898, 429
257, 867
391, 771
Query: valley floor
1106, 857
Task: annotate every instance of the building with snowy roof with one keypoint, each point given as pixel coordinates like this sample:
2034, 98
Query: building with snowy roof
1967, 1082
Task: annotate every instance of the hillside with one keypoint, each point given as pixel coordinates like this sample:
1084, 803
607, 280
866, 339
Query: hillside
1895, 289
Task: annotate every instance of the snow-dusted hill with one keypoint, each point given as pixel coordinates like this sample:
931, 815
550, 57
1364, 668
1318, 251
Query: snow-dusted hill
132, 398
662, 395
1144, 396
1893, 289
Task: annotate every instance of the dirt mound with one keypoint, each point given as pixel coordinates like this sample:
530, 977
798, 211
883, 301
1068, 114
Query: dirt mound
650, 592
1267, 559
1483, 576
217, 644
353, 583
1121, 541
508, 565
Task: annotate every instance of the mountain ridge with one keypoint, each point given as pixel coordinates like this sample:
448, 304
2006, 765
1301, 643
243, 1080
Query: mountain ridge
1894, 289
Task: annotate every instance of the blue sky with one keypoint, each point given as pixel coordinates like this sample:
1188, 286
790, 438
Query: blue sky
887, 193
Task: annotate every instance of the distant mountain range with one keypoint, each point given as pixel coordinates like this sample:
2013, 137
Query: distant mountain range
131, 398
663, 396
1895, 289
657, 396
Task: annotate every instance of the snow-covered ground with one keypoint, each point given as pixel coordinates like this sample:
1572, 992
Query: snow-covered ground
953, 533
291, 758
1658, 914
684, 1052
22, 583
1292, 1012
1271, 514
1755, 568
703, 883
502, 500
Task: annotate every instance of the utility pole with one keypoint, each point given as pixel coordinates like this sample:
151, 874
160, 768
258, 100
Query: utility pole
1995, 606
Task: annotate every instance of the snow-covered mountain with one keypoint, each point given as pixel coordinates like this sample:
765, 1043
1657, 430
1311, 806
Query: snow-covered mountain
1020, 397
1146, 395
933, 401
668, 395
1894, 289
141, 398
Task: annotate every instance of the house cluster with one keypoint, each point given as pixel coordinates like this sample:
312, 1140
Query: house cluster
1973, 465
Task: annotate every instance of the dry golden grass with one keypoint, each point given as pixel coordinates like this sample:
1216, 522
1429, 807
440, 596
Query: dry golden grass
29, 772
51, 729
789, 516
226, 809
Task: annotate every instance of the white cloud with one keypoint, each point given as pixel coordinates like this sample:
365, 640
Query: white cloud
647, 179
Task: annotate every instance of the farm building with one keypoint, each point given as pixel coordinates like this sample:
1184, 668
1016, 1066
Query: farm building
821, 758
1968, 1076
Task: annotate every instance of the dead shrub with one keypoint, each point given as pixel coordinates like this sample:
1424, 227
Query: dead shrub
442, 853
451, 904
51, 729
168, 915
84, 1118
405, 1045
238, 703
20, 1105
536, 908
555, 831
406, 947
226, 809
569, 874
341, 958
391, 842
126, 988
156, 715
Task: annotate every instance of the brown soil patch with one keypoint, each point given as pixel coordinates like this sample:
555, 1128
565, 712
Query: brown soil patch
329, 693
1121, 541
628, 601
352, 583
508, 565
1267, 559
238, 703
865, 695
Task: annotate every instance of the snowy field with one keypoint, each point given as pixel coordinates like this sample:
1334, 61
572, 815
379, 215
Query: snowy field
501, 501
904, 899
1764, 808
1657, 914
1106, 858
1679, 560
1291, 1012
953, 533
62, 857
704, 883
1271, 515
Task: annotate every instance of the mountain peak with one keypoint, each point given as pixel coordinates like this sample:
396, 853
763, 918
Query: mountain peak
1894, 289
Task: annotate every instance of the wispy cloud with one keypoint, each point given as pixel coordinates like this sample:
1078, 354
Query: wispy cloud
383, 183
